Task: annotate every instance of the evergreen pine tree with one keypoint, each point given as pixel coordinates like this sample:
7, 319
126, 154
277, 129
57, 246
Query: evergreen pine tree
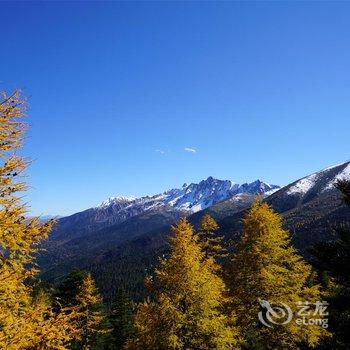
266, 267
333, 259
212, 244
92, 320
67, 291
121, 319
186, 312
25, 321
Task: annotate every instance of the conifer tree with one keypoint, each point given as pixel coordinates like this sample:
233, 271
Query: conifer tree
25, 322
266, 267
212, 244
121, 319
91, 316
333, 259
67, 291
186, 312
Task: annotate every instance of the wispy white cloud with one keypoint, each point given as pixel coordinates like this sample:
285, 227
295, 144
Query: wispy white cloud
190, 150
160, 151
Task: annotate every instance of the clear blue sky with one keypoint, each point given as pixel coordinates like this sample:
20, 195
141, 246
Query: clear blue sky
259, 90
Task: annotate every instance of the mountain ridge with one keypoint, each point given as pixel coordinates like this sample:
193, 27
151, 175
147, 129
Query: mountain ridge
188, 197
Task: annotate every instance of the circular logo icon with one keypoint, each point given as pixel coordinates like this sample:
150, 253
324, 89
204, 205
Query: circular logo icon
274, 314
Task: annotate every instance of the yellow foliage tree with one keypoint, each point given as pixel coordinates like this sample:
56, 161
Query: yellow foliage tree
89, 303
211, 243
186, 312
25, 321
51, 329
267, 271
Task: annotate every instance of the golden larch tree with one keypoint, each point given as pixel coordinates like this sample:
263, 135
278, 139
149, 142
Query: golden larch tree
212, 244
186, 309
267, 268
91, 317
25, 322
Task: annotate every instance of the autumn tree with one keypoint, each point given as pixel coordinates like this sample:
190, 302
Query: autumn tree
186, 312
212, 244
92, 321
267, 271
25, 321
52, 329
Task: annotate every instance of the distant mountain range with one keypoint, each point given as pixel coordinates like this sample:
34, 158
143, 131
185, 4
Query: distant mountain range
185, 200
190, 198
120, 239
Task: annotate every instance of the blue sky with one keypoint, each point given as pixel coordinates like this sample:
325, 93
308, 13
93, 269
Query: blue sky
117, 91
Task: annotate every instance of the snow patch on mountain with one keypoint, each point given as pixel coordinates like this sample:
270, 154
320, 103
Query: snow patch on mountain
319, 182
333, 166
342, 175
112, 200
303, 185
270, 192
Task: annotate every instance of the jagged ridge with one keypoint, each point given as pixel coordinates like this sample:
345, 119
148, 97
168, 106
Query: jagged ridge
193, 197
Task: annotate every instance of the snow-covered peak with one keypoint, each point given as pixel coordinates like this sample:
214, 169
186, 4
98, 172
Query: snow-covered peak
320, 181
190, 197
270, 192
257, 187
117, 199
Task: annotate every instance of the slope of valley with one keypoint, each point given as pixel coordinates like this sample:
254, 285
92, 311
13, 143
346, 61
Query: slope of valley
120, 240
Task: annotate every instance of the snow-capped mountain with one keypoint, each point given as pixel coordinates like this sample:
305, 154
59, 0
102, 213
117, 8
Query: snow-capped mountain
178, 201
309, 187
195, 197
320, 181
191, 198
